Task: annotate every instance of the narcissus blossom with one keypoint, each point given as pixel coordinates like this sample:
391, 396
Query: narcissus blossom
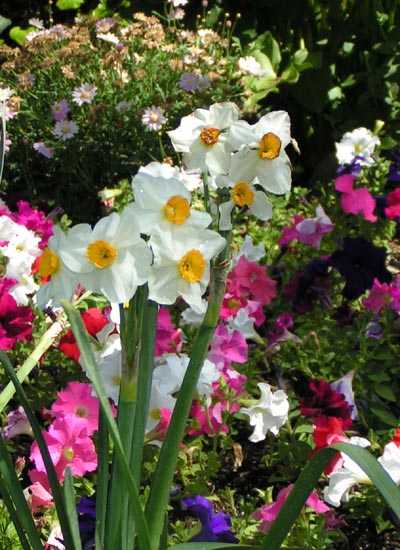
163, 201
244, 195
111, 259
201, 137
269, 413
181, 264
260, 152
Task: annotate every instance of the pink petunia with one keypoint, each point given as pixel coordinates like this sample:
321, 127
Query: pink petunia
15, 321
355, 201
77, 400
379, 297
68, 445
227, 347
268, 513
250, 279
392, 209
168, 338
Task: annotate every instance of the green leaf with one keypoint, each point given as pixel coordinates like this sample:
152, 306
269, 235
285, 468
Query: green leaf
19, 35
4, 23
70, 507
309, 478
69, 4
385, 392
383, 414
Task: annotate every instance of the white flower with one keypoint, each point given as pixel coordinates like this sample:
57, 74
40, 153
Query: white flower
268, 414
109, 361
108, 37
181, 264
249, 251
160, 200
170, 370
192, 319
154, 119
5, 94
123, 106
245, 325
250, 66
84, 94
63, 281
244, 195
260, 152
358, 143
201, 137
343, 479
112, 259
65, 129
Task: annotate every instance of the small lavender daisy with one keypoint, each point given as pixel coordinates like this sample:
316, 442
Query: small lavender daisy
153, 118
123, 106
41, 148
84, 94
60, 110
189, 81
65, 129
204, 82
105, 25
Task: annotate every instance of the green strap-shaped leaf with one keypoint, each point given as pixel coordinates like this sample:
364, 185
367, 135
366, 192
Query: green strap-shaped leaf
83, 342
309, 478
70, 506
212, 546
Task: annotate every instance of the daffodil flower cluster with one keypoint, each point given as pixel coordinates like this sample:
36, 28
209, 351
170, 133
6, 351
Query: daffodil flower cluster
248, 159
159, 239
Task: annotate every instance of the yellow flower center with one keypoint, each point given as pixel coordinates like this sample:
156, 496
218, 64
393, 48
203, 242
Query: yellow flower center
242, 194
68, 453
49, 263
81, 411
101, 253
192, 266
270, 146
177, 209
209, 136
154, 117
116, 380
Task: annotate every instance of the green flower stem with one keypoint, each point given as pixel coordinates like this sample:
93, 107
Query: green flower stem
129, 485
44, 344
164, 474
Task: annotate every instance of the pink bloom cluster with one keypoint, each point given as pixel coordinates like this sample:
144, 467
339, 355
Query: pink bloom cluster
383, 295
68, 439
33, 219
15, 321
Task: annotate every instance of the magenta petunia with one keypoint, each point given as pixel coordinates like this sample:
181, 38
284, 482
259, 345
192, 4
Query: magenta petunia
250, 279
392, 209
15, 321
168, 338
77, 400
355, 201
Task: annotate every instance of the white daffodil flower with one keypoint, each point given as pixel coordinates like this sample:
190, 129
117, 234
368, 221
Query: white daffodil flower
63, 281
359, 143
260, 152
269, 413
112, 259
201, 137
181, 264
160, 200
244, 195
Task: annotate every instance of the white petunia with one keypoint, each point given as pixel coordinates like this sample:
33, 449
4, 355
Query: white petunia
112, 259
181, 264
260, 152
250, 66
268, 414
170, 370
201, 137
358, 143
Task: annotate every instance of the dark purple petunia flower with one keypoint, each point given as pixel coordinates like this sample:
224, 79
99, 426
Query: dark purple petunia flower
354, 168
360, 262
86, 511
214, 527
394, 168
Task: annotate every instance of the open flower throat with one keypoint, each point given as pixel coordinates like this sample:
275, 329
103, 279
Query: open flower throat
177, 210
242, 194
270, 146
192, 266
49, 263
101, 253
209, 136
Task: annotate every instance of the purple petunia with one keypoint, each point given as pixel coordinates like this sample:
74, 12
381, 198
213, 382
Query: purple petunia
214, 527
